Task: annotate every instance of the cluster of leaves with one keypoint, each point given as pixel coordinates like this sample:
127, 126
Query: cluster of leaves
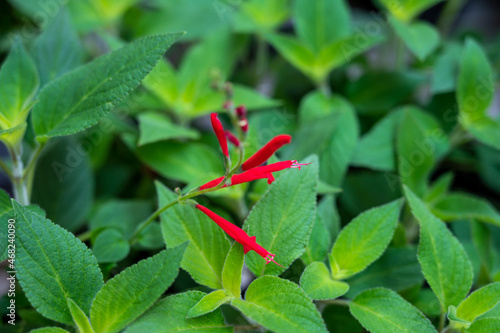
382, 232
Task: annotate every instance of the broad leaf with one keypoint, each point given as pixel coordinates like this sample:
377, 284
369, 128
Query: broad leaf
318, 284
383, 311
110, 246
439, 189
319, 241
137, 287
420, 37
79, 99
444, 262
281, 306
231, 272
49, 330
479, 302
80, 319
485, 325
169, 316
283, 218
49, 263
155, 127
209, 303
364, 240
208, 245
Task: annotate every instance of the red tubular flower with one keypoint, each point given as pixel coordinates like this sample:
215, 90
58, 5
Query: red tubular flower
241, 112
267, 151
219, 132
239, 235
233, 139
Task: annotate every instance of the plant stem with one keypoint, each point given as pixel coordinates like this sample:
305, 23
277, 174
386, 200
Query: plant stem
448, 15
18, 183
342, 302
442, 319
324, 87
262, 57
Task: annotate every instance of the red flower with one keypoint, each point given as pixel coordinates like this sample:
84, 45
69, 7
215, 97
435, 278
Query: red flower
267, 151
261, 172
239, 235
233, 139
219, 132
241, 112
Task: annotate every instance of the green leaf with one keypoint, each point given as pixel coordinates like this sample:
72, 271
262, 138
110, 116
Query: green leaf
283, 218
364, 240
231, 272
280, 305
445, 69
208, 245
155, 127
63, 182
327, 209
382, 310
479, 302
79, 99
209, 303
406, 10
49, 259
439, 189
375, 150
261, 15
319, 241
397, 269
321, 22
444, 262
169, 316
420, 37
318, 284
485, 325
464, 206
49, 330
57, 49
18, 85
420, 142
80, 319
127, 295
110, 246
475, 93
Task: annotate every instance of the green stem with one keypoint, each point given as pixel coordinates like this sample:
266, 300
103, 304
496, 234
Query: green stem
18, 183
448, 15
262, 56
442, 319
34, 159
341, 302
324, 87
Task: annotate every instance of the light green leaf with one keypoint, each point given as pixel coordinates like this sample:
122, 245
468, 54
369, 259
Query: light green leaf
128, 294
479, 302
18, 86
261, 15
364, 240
444, 262
464, 206
79, 99
281, 306
208, 245
169, 316
406, 10
110, 246
231, 272
420, 37
57, 49
63, 183
475, 93
49, 330
485, 325
318, 284
439, 189
455, 320
209, 303
382, 310
162, 82
80, 319
375, 150
319, 241
155, 127
283, 218
48, 260
420, 142
321, 22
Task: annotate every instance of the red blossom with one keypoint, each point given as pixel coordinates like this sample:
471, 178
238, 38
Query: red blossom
232, 138
219, 132
241, 112
266, 152
239, 235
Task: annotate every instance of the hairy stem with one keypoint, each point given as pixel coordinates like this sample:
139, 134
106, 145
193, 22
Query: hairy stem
18, 183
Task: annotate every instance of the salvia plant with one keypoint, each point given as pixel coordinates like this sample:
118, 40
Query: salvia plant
249, 166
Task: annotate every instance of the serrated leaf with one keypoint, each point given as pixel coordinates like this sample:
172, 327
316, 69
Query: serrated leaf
155, 127
475, 93
283, 218
110, 246
485, 325
444, 262
460, 206
80, 319
420, 37
281, 306
79, 99
169, 316
382, 310
52, 264
231, 272
318, 284
479, 302
208, 245
364, 240
209, 303
138, 286
57, 49
18, 85
321, 22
